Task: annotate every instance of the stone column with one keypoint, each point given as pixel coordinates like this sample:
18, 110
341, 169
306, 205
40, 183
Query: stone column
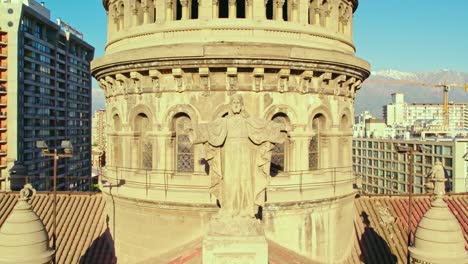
294, 11
146, 18
121, 21
248, 9
258, 9
232, 9
215, 9
303, 12
169, 10
184, 4
134, 17
135, 152
160, 6
279, 10
300, 150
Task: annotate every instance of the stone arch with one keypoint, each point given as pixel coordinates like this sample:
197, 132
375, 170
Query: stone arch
325, 112
320, 121
116, 120
141, 123
187, 109
141, 109
280, 152
273, 110
345, 126
346, 122
116, 123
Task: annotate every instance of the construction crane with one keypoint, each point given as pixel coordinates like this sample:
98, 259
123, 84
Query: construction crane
445, 87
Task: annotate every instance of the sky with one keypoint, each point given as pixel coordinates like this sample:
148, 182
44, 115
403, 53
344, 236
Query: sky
405, 35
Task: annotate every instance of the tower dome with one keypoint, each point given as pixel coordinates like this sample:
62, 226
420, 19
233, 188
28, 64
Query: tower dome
439, 237
23, 237
170, 63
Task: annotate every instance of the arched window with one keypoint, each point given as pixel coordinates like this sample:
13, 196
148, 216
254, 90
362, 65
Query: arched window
183, 149
279, 152
145, 157
193, 9
240, 8
178, 11
269, 9
223, 8
286, 8
318, 125
346, 141
345, 124
117, 124
117, 148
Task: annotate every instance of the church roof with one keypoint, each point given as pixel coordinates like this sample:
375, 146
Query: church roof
380, 220
82, 234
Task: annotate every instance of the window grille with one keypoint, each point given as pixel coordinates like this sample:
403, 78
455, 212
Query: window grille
184, 149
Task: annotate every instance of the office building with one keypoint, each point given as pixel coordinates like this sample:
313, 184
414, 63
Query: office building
385, 171
45, 94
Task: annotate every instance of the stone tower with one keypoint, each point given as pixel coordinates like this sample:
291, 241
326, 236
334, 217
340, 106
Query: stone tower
170, 62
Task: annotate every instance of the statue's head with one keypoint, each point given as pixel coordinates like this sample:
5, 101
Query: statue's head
438, 162
237, 104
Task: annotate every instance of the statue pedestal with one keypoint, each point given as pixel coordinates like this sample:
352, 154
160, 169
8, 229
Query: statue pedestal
235, 241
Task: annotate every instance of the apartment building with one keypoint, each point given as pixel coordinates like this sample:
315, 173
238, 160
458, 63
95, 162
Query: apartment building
424, 115
385, 171
45, 93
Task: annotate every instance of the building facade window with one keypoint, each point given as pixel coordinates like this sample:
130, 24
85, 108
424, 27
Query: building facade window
183, 149
318, 125
279, 153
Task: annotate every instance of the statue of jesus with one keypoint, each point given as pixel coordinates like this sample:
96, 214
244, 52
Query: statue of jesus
238, 150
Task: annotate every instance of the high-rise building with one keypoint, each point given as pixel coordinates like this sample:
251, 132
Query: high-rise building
173, 64
98, 129
425, 115
98, 137
45, 93
385, 171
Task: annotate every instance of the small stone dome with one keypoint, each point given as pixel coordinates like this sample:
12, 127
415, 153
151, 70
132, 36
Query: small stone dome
23, 237
439, 237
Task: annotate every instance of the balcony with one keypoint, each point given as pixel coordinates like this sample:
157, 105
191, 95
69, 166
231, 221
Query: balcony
290, 187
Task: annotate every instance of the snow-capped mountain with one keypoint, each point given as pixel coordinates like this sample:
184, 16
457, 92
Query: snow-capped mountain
394, 74
373, 95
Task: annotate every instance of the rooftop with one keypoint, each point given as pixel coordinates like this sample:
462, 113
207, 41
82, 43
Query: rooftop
381, 224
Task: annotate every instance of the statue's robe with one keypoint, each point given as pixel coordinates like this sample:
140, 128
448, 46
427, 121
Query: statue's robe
238, 150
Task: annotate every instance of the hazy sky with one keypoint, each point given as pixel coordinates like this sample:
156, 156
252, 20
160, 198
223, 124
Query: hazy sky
406, 35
